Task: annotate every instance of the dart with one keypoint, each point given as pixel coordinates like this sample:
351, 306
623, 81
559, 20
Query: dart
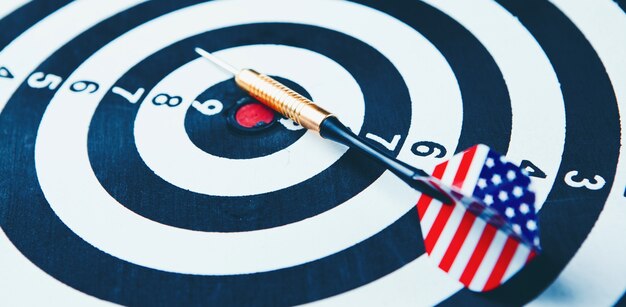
488, 187
135, 172
311, 116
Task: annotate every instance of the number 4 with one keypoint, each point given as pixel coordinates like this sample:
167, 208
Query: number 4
5, 73
532, 169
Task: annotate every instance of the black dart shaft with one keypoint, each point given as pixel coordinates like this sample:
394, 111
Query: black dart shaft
306, 113
332, 129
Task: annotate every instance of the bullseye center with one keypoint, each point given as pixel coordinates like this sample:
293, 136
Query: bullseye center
254, 115
245, 127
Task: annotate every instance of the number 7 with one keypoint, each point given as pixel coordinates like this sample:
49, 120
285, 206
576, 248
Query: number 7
391, 146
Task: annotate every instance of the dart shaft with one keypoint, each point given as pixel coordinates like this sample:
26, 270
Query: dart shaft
309, 115
306, 113
334, 130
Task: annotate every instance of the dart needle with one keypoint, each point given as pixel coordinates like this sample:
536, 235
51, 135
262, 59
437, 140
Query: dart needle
309, 115
217, 61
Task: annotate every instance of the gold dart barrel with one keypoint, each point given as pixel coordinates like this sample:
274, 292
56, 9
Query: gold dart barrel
274, 94
282, 99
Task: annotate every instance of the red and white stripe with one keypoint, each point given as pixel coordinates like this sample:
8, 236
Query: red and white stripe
470, 250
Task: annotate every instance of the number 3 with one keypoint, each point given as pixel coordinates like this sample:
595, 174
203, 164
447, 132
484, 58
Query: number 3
598, 183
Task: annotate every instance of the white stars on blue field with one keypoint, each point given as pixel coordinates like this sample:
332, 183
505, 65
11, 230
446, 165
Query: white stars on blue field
504, 187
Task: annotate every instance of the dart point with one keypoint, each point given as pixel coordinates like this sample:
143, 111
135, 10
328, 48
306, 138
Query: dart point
217, 61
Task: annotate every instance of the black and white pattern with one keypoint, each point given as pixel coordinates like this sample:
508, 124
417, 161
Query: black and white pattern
110, 191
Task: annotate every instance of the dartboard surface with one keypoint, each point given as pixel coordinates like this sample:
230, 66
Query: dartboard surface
133, 172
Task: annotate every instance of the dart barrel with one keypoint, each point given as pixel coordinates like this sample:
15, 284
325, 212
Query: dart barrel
282, 99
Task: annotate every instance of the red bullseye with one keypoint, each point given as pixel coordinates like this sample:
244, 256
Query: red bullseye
254, 115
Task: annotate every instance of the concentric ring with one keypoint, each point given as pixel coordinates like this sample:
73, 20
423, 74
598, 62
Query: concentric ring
400, 241
390, 232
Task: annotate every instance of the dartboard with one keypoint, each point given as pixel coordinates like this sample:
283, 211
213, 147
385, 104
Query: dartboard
131, 172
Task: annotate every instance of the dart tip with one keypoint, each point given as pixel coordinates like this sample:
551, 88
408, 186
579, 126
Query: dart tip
217, 61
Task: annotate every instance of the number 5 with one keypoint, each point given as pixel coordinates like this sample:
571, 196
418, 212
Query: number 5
41, 80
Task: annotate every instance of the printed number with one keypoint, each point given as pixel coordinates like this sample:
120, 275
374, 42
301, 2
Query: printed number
598, 183
389, 145
166, 99
209, 107
290, 124
41, 80
532, 169
84, 86
131, 97
5, 73
426, 148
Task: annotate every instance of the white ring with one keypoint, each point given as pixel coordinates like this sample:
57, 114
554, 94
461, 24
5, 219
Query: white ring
403, 294
77, 197
20, 277
595, 275
8, 7
533, 86
49, 35
535, 95
164, 145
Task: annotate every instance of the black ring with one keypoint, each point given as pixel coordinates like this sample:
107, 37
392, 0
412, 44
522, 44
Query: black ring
22, 19
122, 170
592, 131
92, 271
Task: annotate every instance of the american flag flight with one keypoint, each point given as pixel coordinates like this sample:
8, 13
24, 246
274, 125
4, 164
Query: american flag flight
483, 239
